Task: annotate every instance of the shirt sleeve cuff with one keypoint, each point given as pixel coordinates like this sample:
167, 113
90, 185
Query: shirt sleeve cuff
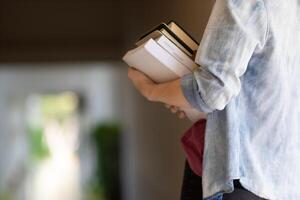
189, 88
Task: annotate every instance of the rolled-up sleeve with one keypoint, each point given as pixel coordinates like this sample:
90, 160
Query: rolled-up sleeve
236, 28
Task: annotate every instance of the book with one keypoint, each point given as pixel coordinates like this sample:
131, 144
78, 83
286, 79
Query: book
164, 29
156, 62
164, 54
169, 46
183, 35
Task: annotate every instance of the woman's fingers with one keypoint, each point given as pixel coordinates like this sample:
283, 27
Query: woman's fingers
181, 115
167, 106
174, 109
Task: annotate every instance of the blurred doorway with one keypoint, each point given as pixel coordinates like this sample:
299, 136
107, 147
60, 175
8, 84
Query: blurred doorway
47, 113
53, 128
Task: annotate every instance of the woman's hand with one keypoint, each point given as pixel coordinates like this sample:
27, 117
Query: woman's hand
168, 93
143, 83
146, 87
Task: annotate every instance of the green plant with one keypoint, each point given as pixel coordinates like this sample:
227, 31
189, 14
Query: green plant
5, 196
38, 148
106, 138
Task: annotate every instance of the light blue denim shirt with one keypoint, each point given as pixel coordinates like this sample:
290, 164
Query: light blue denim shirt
249, 84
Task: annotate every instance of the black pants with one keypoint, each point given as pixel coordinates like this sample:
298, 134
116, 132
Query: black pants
192, 188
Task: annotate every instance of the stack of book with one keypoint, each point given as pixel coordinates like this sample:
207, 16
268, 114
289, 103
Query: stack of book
165, 54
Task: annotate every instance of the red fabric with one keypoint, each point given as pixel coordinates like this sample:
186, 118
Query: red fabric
193, 145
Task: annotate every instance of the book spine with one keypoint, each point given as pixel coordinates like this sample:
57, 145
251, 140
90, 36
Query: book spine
181, 33
170, 37
176, 52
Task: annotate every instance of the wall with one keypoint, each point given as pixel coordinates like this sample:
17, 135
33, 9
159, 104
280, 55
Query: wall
64, 30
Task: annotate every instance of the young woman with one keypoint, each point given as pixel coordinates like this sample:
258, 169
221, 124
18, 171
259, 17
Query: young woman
248, 84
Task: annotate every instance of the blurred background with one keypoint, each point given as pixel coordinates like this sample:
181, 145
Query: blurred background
72, 127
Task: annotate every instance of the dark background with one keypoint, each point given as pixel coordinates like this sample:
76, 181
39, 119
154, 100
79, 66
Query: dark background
85, 30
